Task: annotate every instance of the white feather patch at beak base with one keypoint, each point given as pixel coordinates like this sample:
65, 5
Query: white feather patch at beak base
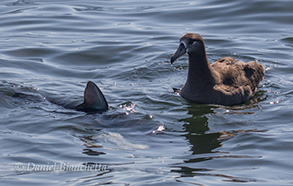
182, 42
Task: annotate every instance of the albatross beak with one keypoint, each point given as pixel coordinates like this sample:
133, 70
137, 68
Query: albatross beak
180, 52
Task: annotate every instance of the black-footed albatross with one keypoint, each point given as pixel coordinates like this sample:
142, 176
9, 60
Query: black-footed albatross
227, 81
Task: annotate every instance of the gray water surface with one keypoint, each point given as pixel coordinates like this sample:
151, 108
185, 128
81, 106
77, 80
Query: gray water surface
151, 136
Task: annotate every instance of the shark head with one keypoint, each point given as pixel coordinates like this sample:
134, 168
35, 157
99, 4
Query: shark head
94, 100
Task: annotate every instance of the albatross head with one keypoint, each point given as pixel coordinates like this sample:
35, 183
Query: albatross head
189, 43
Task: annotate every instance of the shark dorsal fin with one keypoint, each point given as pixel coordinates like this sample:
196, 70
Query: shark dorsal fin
94, 100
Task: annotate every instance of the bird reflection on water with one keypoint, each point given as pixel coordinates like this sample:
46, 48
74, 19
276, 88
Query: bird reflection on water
205, 145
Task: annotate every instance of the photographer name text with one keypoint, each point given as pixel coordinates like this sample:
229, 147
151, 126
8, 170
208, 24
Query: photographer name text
54, 167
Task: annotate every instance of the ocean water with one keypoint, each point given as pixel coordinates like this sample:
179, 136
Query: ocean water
150, 136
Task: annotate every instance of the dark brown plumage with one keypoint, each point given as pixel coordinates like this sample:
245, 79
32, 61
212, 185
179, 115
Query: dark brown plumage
227, 81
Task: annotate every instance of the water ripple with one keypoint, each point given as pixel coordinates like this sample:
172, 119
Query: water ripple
49, 50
